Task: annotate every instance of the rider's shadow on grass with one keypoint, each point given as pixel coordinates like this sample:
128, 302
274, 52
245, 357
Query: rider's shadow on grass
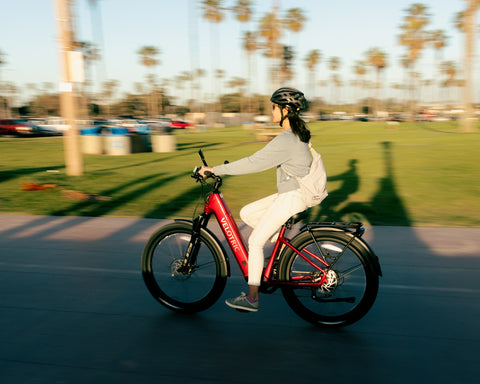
328, 210
385, 207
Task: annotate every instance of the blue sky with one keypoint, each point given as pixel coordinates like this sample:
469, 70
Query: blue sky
343, 28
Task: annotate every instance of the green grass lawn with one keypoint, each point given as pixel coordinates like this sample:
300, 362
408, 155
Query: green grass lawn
411, 174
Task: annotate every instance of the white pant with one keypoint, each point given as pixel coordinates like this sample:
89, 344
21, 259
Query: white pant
266, 216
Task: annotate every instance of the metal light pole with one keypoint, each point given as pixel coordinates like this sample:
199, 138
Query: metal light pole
69, 74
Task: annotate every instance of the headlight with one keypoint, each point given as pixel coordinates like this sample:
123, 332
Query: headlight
24, 129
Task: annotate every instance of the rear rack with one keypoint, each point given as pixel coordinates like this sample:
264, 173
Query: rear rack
355, 228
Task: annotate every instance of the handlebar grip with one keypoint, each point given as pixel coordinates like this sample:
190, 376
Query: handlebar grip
200, 152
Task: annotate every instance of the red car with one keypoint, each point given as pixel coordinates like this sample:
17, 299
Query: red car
17, 128
180, 124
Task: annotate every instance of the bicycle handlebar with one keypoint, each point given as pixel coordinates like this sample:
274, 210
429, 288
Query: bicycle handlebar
200, 152
199, 178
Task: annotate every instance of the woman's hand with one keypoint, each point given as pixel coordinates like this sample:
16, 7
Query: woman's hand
205, 169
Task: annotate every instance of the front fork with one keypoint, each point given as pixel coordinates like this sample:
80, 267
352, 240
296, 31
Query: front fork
190, 258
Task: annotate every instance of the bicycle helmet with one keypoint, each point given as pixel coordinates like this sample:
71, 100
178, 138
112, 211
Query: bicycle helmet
290, 97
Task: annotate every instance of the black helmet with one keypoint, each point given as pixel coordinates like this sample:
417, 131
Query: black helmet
290, 97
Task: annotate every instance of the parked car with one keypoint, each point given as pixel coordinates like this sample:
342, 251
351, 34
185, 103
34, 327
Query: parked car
53, 124
15, 127
180, 124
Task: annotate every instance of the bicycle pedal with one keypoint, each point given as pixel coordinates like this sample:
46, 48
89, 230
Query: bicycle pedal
242, 310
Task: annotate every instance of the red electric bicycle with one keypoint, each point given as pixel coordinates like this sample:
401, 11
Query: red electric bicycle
327, 274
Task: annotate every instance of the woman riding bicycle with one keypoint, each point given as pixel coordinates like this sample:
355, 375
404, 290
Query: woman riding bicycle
289, 153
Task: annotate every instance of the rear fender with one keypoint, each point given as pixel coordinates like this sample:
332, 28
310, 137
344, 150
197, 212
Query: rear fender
356, 234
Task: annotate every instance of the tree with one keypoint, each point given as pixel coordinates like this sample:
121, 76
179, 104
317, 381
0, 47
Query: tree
148, 57
449, 69
270, 31
243, 13
335, 81
3, 61
377, 59
465, 22
109, 89
90, 54
214, 13
414, 37
438, 41
286, 64
250, 45
311, 60
360, 70
293, 21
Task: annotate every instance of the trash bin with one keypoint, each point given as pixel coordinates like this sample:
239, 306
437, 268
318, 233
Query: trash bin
163, 143
117, 141
92, 141
140, 142
163, 139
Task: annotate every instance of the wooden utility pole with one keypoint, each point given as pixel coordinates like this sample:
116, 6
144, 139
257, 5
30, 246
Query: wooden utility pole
69, 74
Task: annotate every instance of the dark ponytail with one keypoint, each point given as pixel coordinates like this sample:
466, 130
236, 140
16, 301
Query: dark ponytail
298, 126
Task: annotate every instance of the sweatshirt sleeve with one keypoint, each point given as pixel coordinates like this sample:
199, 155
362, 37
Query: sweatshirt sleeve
272, 155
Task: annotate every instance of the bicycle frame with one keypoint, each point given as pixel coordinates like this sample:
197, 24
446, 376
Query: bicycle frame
215, 204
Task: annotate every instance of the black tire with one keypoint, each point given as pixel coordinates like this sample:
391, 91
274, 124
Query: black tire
353, 278
193, 292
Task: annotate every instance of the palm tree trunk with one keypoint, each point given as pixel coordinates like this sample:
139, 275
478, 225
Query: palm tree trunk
467, 121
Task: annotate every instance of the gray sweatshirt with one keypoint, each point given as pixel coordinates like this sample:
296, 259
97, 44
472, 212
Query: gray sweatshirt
285, 151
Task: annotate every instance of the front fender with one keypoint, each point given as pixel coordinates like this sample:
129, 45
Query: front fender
208, 233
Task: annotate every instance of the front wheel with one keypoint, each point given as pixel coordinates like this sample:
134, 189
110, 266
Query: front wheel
185, 290
350, 281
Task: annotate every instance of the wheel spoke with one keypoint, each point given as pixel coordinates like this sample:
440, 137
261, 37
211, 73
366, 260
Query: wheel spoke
189, 289
348, 287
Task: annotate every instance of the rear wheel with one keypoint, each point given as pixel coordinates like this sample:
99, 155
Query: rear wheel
186, 291
351, 283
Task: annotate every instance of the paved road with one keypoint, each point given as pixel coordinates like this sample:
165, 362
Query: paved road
74, 309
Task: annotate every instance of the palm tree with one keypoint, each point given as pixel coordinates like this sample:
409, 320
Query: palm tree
243, 10
250, 46
377, 59
438, 40
219, 76
198, 74
334, 64
148, 57
2, 62
465, 22
311, 60
294, 21
90, 54
414, 37
213, 12
238, 83
270, 31
360, 70
243, 13
109, 89
449, 69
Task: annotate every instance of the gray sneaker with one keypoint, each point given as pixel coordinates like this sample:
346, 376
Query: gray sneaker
242, 303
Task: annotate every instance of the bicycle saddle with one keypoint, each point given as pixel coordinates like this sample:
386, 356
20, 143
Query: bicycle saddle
297, 217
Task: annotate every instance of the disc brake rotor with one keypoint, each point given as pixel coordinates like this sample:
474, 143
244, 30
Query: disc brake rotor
330, 284
174, 267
